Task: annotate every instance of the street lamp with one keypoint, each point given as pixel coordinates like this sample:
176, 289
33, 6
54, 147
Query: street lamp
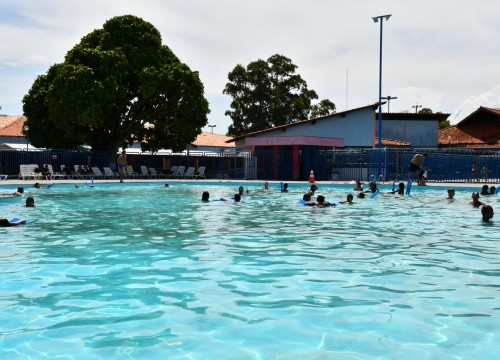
381, 20
26, 129
389, 98
416, 108
212, 126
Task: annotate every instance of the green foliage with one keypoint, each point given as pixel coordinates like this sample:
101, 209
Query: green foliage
117, 86
269, 93
444, 124
425, 111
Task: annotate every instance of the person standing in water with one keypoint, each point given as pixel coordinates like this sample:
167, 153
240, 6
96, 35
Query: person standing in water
122, 164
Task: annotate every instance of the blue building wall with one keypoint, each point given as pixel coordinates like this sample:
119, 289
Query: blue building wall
420, 133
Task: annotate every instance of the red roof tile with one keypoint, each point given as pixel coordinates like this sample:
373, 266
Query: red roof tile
12, 125
212, 140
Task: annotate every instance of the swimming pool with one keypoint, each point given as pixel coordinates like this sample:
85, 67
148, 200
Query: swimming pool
145, 272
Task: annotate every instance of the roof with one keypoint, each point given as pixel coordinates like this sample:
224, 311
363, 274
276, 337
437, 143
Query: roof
484, 124
453, 136
301, 122
392, 143
12, 125
412, 116
482, 114
212, 140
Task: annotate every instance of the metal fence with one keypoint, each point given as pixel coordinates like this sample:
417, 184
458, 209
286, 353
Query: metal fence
450, 165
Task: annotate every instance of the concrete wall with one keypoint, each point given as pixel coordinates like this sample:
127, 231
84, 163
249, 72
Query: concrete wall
420, 133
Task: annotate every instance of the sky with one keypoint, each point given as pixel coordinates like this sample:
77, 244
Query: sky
440, 54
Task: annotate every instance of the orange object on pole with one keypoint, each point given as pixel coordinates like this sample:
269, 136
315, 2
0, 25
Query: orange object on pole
311, 177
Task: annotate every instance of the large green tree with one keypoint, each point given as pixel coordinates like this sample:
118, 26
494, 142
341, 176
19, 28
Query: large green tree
270, 93
117, 86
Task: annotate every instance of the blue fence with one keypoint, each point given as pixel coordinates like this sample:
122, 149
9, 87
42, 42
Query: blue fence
450, 165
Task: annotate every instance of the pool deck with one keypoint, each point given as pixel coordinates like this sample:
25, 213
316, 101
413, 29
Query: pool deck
19, 182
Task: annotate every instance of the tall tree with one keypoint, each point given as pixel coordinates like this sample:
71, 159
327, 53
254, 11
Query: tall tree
269, 93
117, 86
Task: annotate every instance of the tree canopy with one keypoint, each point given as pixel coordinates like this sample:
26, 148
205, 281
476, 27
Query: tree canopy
117, 86
270, 93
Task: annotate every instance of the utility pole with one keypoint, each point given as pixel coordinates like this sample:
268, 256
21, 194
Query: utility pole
389, 98
416, 108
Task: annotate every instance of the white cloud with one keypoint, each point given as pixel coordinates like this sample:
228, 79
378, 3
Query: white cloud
441, 54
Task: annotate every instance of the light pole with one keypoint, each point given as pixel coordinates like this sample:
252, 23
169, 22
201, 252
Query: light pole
416, 108
389, 98
212, 126
26, 129
381, 20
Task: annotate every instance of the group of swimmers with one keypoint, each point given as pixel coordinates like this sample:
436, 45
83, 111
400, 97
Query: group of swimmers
30, 202
486, 210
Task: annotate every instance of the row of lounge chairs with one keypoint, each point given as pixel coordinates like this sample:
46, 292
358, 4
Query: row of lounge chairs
180, 172
29, 171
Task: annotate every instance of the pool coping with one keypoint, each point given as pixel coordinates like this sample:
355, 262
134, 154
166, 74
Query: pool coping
18, 182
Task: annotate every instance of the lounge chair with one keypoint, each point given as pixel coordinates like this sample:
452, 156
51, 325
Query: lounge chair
180, 172
97, 173
144, 172
189, 174
27, 171
109, 174
55, 175
70, 175
154, 174
130, 173
201, 173
79, 172
173, 171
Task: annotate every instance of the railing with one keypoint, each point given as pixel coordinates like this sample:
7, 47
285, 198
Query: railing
450, 165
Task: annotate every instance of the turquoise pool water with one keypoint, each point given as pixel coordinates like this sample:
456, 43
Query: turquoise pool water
147, 272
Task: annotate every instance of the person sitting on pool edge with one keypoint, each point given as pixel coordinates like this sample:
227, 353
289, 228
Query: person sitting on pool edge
487, 212
475, 200
6, 223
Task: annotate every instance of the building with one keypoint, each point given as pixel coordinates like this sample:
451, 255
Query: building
481, 129
420, 130
12, 137
11, 132
304, 143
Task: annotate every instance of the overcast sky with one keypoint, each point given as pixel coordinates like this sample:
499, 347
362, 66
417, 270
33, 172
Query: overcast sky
441, 54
